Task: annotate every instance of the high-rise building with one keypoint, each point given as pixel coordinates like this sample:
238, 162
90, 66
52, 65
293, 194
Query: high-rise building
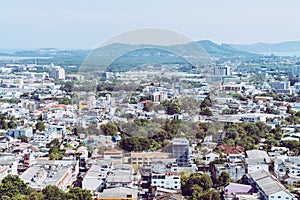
180, 151
57, 73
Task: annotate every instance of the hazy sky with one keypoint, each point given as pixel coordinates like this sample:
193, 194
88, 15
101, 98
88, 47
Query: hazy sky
88, 23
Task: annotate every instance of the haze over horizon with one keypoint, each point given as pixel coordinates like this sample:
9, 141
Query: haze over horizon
84, 25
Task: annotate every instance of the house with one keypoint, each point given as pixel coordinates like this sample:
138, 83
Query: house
121, 193
257, 160
226, 149
165, 176
8, 165
95, 177
235, 188
235, 170
287, 169
120, 176
268, 186
211, 156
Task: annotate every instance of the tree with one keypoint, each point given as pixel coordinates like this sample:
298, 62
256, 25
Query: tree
202, 180
224, 179
206, 111
12, 124
55, 153
110, 128
36, 196
172, 107
211, 194
79, 194
40, 126
3, 124
52, 192
12, 185
23, 138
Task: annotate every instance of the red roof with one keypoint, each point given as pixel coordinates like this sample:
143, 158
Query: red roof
231, 149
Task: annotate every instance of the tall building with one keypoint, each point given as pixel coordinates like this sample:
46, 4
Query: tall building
222, 70
180, 151
57, 73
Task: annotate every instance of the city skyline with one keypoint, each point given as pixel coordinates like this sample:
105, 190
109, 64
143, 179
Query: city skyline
77, 24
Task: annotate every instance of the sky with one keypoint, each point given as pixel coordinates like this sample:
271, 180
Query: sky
85, 24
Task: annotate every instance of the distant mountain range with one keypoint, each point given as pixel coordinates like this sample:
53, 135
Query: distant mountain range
288, 47
223, 50
151, 54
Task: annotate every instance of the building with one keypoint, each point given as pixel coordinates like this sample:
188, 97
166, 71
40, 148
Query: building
180, 151
169, 180
287, 169
280, 85
222, 70
115, 155
268, 186
235, 170
145, 158
121, 193
61, 173
95, 177
257, 160
165, 175
120, 176
15, 133
57, 73
158, 96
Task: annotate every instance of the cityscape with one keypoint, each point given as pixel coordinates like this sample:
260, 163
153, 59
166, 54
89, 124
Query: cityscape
152, 112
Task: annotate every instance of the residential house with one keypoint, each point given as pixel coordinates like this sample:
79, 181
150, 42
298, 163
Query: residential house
256, 160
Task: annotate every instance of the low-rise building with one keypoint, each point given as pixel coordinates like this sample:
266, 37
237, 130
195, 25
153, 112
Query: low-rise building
61, 173
145, 158
268, 186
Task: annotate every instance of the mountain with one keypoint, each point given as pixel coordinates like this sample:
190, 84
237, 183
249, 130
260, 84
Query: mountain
291, 46
223, 50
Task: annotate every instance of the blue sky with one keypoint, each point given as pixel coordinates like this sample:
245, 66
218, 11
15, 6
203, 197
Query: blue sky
88, 23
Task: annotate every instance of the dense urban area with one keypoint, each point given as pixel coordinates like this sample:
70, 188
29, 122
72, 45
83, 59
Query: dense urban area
157, 130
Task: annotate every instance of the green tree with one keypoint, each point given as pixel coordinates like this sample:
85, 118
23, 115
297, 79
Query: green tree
12, 185
23, 138
12, 124
35, 195
110, 128
52, 192
79, 194
224, 179
40, 126
3, 124
202, 180
211, 194
172, 107
206, 111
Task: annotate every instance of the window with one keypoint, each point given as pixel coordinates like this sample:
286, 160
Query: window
279, 197
272, 197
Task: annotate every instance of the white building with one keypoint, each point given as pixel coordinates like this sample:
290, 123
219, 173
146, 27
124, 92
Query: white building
57, 73
257, 160
269, 187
